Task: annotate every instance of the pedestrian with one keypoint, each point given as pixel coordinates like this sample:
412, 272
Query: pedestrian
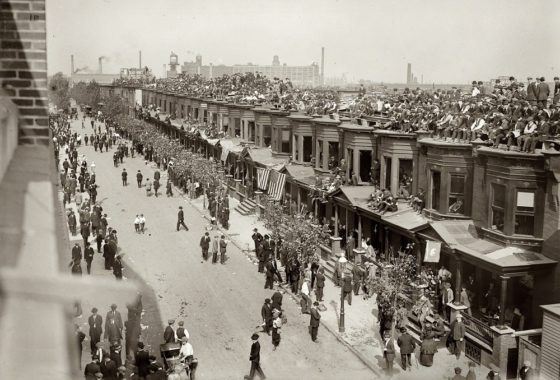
269, 276
148, 187
80, 336
320, 284
314, 321
169, 335
117, 267
388, 351
169, 190
182, 331
525, 372
276, 326
357, 278
456, 336
124, 176
88, 256
139, 178
428, 349
142, 223
347, 288
99, 241
471, 375
156, 186
109, 369
137, 224
142, 361
76, 252
72, 223
181, 219
277, 301
223, 246
215, 248
266, 314
255, 359
305, 299
407, 346
95, 322
257, 238
115, 354
205, 245
458, 375
92, 368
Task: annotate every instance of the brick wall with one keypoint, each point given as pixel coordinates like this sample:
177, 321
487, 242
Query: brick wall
23, 65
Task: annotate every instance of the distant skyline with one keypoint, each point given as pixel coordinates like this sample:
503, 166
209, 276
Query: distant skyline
446, 41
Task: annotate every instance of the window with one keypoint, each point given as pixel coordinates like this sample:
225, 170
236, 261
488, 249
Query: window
333, 153
436, 186
267, 135
498, 206
285, 141
405, 178
237, 124
525, 212
307, 148
388, 170
457, 194
319, 150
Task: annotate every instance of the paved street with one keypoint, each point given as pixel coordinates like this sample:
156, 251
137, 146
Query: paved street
220, 304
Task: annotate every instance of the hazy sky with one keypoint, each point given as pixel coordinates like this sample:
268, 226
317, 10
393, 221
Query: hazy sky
448, 41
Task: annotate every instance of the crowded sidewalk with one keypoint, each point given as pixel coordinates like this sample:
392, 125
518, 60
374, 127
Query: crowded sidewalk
361, 334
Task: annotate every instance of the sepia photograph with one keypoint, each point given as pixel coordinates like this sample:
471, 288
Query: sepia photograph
279, 189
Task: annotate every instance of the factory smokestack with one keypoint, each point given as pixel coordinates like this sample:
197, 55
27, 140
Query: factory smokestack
72, 64
100, 65
139, 59
322, 66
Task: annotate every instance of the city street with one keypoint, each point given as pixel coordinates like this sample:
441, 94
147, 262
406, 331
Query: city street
220, 304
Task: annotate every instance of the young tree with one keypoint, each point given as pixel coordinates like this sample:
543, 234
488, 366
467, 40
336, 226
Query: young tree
59, 91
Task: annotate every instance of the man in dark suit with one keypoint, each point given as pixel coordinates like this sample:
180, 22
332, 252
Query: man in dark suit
347, 288
350, 245
320, 284
255, 358
92, 368
314, 321
116, 315
169, 333
95, 330
257, 238
543, 91
457, 335
205, 245
109, 369
269, 277
80, 336
532, 91
266, 314
88, 256
142, 361
556, 97
407, 346
181, 219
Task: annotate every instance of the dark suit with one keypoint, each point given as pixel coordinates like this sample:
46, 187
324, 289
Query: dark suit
255, 358
347, 288
95, 330
169, 335
257, 238
266, 314
142, 362
205, 246
320, 283
314, 323
457, 335
109, 370
407, 345
88, 256
543, 91
116, 316
90, 370
269, 282
532, 93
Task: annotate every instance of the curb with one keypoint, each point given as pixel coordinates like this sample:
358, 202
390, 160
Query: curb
294, 297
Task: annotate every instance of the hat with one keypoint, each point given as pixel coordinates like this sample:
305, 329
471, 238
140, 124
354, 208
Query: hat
184, 339
315, 303
99, 375
255, 230
171, 321
255, 336
267, 300
181, 323
116, 347
94, 310
180, 207
113, 306
527, 363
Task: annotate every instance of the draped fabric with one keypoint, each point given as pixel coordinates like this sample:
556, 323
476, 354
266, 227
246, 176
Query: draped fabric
276, 185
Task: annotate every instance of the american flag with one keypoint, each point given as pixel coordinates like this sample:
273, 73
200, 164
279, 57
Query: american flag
276, 188
262, 178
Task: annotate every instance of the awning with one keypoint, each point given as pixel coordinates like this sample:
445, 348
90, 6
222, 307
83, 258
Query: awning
406, 218
355, 195
462, 235
229, 145
263, 156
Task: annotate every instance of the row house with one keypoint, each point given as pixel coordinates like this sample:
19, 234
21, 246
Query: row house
496, 213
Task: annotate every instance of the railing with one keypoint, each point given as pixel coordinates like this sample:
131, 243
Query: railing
478, 329
8, 131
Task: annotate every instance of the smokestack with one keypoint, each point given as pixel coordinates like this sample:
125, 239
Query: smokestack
164, 71
139, 59
322, 66
72, 64
408, 73
100, 60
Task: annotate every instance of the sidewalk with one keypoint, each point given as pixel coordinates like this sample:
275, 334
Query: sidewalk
361, 334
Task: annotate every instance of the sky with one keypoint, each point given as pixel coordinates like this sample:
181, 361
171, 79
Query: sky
446, 41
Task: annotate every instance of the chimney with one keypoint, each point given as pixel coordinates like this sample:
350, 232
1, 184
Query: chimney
71, 64
139, 59
322, 66
100, 60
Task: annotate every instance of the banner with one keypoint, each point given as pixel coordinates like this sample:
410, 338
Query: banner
276, 188
262, 178
433, 249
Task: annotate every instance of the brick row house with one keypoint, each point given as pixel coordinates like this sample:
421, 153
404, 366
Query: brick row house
495, 212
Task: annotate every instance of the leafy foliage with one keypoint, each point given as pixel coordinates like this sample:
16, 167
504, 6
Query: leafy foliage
86, 93
395, 280
59, 91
